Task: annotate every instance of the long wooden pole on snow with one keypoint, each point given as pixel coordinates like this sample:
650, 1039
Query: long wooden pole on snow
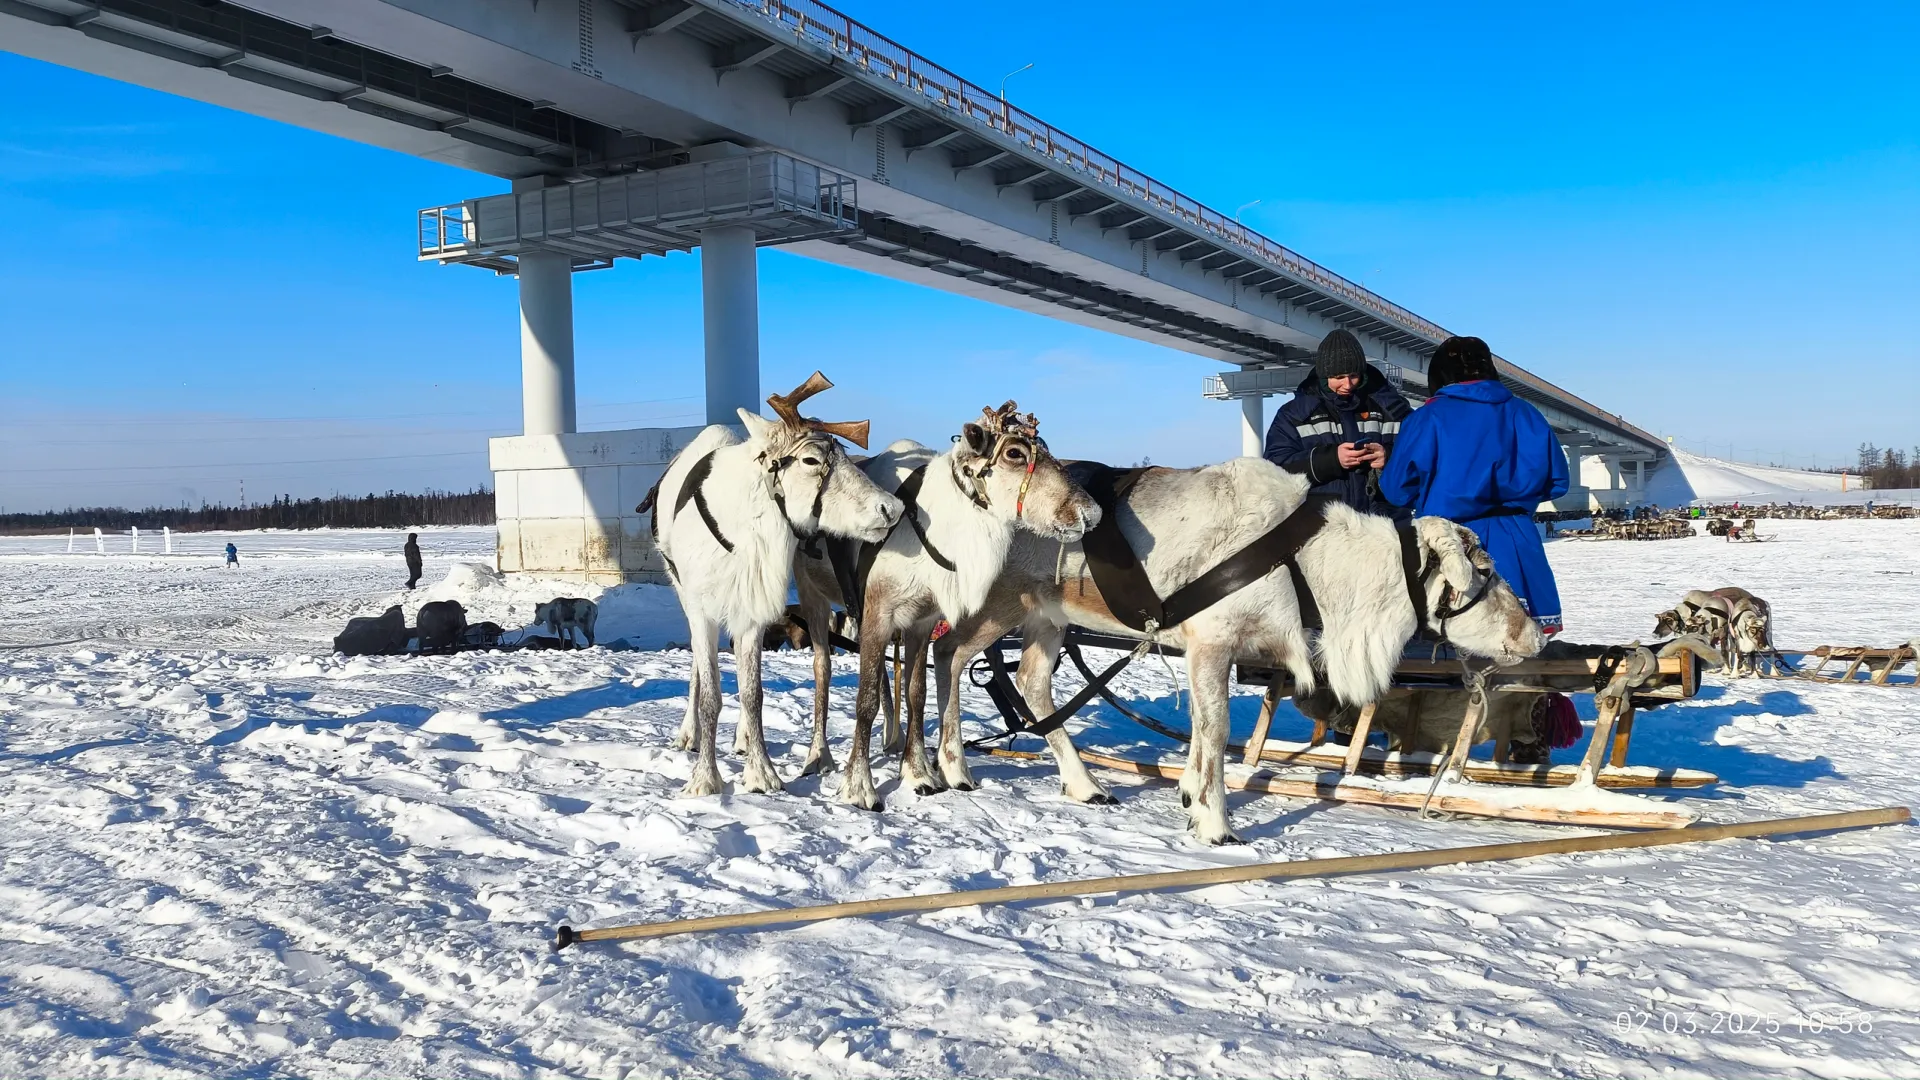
1219, 875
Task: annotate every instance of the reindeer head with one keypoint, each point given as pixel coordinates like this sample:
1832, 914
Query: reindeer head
1750, 631
1468, 604
1670, 623
811, 478
1001, 462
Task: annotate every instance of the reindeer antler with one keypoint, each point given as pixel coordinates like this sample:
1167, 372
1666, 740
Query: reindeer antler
787, 408
1009, 417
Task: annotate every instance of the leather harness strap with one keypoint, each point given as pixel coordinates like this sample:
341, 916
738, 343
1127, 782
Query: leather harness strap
1123, 583
908, 493
1278, 546
990, 674
692, 488
1131, 597
1411, 564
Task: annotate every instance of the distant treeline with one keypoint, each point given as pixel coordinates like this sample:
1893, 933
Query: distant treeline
1888, 469
394, 510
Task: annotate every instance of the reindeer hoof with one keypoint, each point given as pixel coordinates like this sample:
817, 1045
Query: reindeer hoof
700, 788
1103, 799
1186, 800
924, 788
966, 785
767, 783
822, 763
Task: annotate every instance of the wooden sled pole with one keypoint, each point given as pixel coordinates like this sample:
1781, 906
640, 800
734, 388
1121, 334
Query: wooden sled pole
1220, 875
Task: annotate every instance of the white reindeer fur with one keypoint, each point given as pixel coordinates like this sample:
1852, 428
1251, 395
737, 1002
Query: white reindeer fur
1181, 523
974, 540
749, 586
745, 590
907, 591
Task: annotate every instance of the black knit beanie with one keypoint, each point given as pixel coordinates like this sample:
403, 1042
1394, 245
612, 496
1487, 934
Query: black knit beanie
1459, 359
1339, 355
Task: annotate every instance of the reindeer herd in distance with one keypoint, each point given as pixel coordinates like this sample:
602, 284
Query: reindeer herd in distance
985, 535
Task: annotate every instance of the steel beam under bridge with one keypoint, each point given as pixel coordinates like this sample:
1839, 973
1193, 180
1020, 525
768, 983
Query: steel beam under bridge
960, 190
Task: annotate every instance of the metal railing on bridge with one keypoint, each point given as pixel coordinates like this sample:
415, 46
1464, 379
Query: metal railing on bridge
783, 199
880, 55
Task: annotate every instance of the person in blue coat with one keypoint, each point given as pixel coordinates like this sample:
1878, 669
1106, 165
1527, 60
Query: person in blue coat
1477, 455
1339, 429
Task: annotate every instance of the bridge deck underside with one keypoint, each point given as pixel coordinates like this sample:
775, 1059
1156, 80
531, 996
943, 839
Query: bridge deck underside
813, 55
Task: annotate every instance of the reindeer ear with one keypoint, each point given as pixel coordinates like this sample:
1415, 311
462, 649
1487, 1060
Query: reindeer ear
758, 427
1450, 550
975, 437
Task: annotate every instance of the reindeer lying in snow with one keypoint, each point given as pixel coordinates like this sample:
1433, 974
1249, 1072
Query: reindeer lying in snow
728, 517
996, 482
1183, 522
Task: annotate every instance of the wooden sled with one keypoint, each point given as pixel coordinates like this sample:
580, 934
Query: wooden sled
1879, 664
1358, 773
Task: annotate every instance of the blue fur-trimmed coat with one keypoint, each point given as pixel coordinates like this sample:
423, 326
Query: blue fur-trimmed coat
1479, 456
1307, 432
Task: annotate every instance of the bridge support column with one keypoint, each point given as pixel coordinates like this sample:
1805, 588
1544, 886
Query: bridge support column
546, 344
730, 290
1253, 433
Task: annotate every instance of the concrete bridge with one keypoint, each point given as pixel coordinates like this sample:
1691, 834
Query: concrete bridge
635, 127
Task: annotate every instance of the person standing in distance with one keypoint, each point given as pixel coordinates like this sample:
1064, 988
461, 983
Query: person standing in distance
233, 554
412, 551
1340, 427
1479, 456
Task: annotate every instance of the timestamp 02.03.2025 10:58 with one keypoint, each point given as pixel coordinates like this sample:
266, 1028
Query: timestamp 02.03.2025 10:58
1678, 1022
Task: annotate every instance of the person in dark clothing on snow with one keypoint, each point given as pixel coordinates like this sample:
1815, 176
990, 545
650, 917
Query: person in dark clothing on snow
233, 555
412, 551
1479, 456
1340, 427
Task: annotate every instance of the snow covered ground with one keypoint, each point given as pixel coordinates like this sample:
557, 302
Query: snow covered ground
226, 851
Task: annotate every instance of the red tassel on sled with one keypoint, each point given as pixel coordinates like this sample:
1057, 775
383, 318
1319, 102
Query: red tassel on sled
1563, 723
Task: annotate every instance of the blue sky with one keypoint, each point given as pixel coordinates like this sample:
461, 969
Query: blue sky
1704, 217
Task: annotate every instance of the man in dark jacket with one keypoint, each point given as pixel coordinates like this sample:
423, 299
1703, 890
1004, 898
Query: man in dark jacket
1479, 456
1339, 429
412, 551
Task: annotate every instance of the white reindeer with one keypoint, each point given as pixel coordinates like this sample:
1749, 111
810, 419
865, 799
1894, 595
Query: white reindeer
998, 478
1183, 522
729, 516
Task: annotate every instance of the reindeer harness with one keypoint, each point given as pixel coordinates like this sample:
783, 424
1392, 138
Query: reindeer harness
1130, 596
1011, 430
787, 407
694, 490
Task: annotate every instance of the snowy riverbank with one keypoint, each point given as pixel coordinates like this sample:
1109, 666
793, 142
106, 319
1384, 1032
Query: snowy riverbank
229, 852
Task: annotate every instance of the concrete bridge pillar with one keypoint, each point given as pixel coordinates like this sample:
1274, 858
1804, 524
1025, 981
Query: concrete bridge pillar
1253, 432
730, 290
546, 344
